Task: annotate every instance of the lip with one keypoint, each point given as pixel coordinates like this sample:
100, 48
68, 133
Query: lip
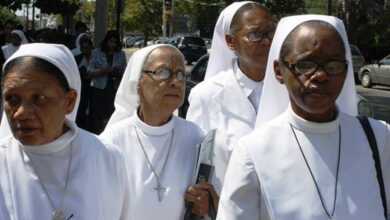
24, 131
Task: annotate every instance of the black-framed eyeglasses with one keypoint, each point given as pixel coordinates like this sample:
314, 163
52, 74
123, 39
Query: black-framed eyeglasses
258, 36
165, 74
308, 67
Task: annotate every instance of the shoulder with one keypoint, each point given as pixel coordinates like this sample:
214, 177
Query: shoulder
118, 131
92, 145
210, 87
189, 130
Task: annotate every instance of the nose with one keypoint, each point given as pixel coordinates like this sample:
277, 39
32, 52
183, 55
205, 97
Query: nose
24, 111
320, 75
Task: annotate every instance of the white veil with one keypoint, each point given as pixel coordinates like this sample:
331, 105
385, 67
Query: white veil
221, 56
275, 99
58, 55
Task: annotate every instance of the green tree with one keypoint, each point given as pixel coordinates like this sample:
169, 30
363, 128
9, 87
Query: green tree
13, 4
143, 16
281, 8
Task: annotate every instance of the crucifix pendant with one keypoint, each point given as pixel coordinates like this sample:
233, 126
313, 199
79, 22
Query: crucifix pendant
160, 190
58, 214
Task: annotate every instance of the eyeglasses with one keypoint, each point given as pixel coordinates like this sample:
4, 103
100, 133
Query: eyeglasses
257, 36
307, 67
165, 74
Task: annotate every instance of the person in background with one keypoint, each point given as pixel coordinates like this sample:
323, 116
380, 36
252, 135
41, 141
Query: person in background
83, 60
16, 38
105, 69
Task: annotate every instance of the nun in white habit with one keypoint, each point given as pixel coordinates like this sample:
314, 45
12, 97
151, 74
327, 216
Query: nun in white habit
310, 159
160, 148
17, 38
51, 169
228, 98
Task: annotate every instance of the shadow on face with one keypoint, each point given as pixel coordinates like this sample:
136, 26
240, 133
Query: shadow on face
35, 102
316, 49
166, 95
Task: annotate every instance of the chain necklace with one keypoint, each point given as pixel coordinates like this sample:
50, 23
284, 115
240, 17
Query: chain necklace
57, 213
159, 187
329, 214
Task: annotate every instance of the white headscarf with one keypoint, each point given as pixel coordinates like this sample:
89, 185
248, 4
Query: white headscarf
127, 98
221, 56
275, 98
9, 48
58, 55
77, 50
20, 35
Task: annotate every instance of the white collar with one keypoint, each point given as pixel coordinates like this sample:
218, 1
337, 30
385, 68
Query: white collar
154, 130
310, 126
57, 145
247, 84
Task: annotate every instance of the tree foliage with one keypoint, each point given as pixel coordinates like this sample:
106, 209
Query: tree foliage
13, 4
143, 16
63, 7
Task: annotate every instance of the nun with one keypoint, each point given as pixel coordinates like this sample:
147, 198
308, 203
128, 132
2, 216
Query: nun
310, 158
51, 169
17, 38
227, 100
160, 148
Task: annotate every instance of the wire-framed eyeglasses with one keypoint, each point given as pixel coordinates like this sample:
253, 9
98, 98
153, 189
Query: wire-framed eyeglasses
165, 74
258, 36
308, 67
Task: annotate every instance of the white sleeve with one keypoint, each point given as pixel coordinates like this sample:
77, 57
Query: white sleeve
385, 165
240, 197
198, 111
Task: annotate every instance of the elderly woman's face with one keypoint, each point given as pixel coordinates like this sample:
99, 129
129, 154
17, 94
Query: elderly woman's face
166, 94
316, 91
35, 105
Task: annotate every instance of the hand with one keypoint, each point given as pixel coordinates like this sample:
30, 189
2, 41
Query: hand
198, 195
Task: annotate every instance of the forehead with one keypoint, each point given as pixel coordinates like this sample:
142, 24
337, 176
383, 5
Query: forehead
164, 56
28, 76
255, 18
314, 38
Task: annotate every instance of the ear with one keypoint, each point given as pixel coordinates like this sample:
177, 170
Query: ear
278, 72
70, 101
230, 42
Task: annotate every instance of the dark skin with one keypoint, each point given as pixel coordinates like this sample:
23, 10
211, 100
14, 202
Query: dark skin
252, 56
313, 97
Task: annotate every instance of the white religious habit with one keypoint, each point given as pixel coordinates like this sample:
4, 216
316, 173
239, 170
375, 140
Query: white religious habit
227, 100
160, 160
289, 168
9, 48
76, 176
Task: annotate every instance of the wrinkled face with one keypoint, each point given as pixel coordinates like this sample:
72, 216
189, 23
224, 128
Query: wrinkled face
253, 23
35, 105
166, 95
316, 93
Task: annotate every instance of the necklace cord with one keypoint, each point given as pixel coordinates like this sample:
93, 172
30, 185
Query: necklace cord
330, 215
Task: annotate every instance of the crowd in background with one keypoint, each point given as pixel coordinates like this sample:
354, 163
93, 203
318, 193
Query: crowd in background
101, 66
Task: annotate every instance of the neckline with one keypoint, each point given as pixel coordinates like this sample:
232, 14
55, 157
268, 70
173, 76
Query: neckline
154, 130
244, 81
57, 145
310, 126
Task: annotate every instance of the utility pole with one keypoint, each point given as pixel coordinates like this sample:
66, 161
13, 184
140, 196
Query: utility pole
167, 18
100, 20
